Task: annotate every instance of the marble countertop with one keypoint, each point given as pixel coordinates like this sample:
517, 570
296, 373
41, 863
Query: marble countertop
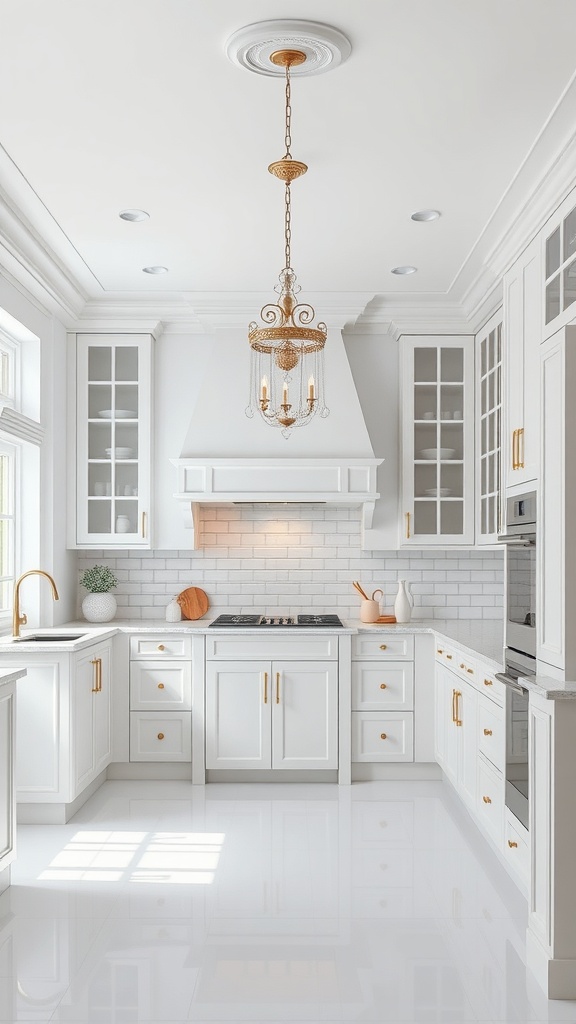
480, 638
9, 677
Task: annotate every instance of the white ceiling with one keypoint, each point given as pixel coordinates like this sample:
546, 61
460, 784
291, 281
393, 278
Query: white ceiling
109, 104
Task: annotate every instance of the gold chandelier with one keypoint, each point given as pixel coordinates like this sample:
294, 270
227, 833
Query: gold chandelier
287, 354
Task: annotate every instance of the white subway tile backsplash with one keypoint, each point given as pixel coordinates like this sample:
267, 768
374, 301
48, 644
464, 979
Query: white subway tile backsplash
303, 558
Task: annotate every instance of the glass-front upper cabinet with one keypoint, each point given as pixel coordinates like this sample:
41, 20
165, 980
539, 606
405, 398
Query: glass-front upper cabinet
559, 260
438, 441
113, 441
489, 431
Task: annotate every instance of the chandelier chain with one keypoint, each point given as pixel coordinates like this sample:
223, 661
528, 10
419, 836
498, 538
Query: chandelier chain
288, 156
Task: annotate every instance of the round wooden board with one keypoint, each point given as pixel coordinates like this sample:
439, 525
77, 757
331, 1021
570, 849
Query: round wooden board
193, 602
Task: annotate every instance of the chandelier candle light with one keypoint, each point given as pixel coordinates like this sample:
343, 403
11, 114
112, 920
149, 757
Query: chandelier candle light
287, 354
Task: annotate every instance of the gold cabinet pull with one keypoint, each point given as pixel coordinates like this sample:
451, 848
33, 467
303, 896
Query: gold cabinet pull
486, 799
487, 682
514, 459
520, 448
143, 525
512, 844
382, 686
277, 687
383, 647
470, 671
160, 735
161, 647
457, 719
487, 732
407, 526
382, 735
454, 705
265, 687
439, 650
97, 675
160, 686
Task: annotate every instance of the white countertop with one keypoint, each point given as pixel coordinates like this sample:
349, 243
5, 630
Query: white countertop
481, 638
9, 677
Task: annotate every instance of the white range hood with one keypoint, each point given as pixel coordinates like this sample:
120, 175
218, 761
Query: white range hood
228, 458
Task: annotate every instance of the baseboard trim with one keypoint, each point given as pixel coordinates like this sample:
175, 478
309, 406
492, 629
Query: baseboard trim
57, 814
364, 771
557, 978
150, 770
259, 775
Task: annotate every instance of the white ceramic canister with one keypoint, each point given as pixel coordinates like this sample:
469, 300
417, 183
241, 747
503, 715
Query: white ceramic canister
173, 611
122, 524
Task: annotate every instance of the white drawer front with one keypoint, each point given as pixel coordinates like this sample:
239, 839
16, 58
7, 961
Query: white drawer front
382, 736
516, 846
491, 731
490, 803
378, 646
160, 686
382, 686
295, 646
146, 646
492, 687
156, 737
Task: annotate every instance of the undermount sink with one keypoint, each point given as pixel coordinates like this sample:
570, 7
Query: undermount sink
43, 638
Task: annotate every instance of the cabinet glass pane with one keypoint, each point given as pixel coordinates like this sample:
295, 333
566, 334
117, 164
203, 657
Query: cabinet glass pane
425, 364
126, 513
425, 402
126, 401
99, 439
451, 401
126, 363
552, 298
425, 480
569, 284
99, 516
451, 441
553, 253
100, 479
99, 400
452, 480
569, 236
451, 517
452, 364
425, 518
425, 441
99, 363
483, 356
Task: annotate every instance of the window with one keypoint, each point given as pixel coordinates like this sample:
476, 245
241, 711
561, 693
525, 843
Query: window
8, 462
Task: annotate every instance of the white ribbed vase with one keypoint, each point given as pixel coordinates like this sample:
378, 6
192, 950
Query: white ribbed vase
402, 604
99, 607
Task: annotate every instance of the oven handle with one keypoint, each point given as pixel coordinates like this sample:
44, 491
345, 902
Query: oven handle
521, 542
512, 683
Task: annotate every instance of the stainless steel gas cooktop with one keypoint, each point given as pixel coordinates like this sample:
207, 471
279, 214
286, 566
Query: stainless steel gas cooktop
247, 621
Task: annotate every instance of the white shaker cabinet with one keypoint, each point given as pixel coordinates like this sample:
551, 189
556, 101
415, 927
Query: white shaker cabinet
275, 715
111, 377
522, 337
437, 441
162, 671
456, 731
63, 729
489, 407
559, 267
7, 784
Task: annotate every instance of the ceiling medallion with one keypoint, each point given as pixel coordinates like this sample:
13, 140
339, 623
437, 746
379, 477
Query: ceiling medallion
324, 47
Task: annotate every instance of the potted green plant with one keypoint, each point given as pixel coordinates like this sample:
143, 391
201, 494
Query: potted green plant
99, 605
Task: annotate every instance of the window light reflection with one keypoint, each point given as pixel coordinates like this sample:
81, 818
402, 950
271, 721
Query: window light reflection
173, 858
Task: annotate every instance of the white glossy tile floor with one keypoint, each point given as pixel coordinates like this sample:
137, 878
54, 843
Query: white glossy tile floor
161, 902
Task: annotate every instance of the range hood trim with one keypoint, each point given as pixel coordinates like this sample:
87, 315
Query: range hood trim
339, 482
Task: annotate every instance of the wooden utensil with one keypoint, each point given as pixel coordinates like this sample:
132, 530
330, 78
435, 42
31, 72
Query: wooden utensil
356, 584
194, 603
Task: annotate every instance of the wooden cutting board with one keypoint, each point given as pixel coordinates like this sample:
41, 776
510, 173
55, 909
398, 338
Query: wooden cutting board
193, 602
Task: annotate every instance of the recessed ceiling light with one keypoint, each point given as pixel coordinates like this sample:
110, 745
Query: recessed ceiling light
425, 215
155, 270
134, 215
404, 270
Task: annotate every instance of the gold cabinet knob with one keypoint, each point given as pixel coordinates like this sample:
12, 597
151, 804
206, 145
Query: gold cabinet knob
161, 647
512, 844
462, 665
439, 650
382, 735
382, 686
161, 737
487, 732
383, 647
470, 671
160, 686
487, 682
486, 799
449, 656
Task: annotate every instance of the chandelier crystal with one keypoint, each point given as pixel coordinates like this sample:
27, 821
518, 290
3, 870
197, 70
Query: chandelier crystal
287, 353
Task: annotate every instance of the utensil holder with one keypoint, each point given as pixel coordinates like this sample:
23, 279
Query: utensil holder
369, 611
